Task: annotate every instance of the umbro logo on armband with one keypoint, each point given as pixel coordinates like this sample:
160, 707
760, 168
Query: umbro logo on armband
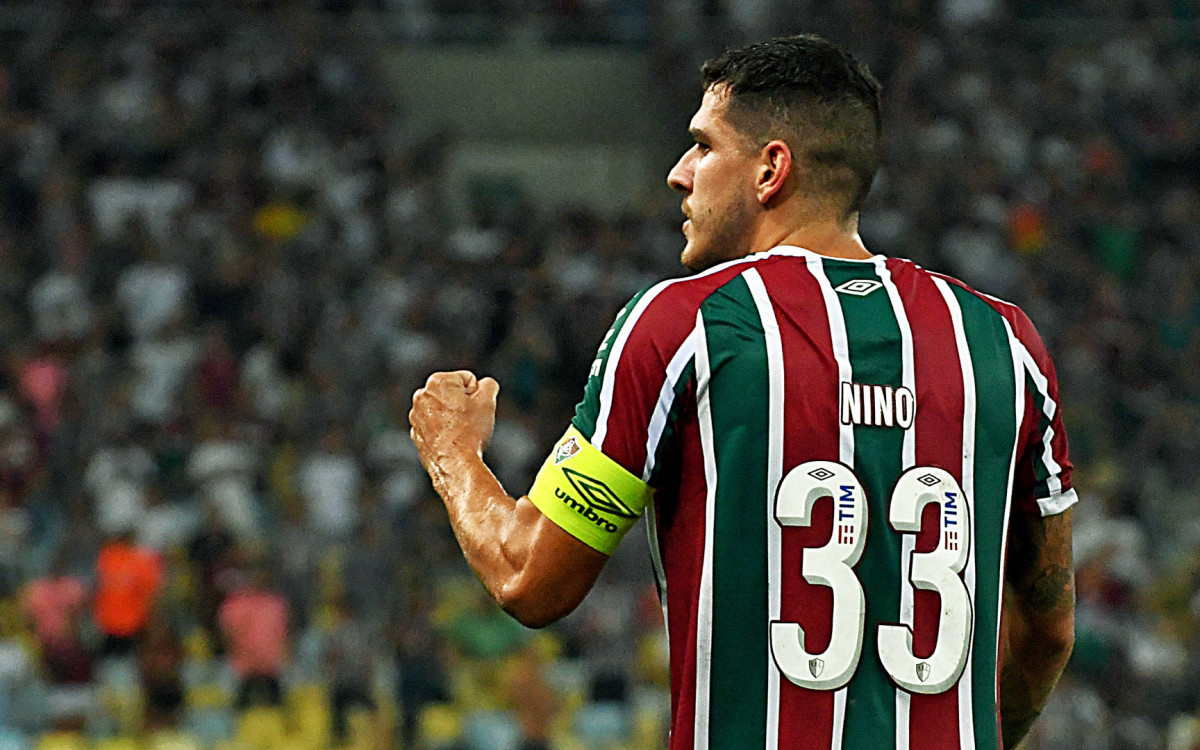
598, 498
598, 494
877, 405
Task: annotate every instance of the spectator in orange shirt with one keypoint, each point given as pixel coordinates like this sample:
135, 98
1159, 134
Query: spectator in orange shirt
128, 579
254, 625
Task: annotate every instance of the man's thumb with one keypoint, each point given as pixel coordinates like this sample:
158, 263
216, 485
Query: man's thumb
489, 389
467, 378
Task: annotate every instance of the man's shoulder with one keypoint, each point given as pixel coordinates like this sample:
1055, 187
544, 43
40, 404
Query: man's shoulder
1021, 327
668, 296
1010, 311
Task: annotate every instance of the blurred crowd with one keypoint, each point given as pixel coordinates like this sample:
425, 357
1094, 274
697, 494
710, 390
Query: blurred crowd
226, 262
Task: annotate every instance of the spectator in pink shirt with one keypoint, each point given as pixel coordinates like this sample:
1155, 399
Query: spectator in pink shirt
53, 604
254, 626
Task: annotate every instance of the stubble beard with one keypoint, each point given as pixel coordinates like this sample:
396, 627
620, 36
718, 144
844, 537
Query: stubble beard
728, 238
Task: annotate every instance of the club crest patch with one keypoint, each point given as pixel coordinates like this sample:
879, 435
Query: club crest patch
566, 450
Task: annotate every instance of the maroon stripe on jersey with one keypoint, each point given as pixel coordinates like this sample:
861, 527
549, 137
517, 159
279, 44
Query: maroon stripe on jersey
681, 540
805, 716
641, 365
933, 719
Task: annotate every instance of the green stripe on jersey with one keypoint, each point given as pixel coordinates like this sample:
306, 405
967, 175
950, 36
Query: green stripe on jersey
588, 409
738, 394
875, 358
995, 438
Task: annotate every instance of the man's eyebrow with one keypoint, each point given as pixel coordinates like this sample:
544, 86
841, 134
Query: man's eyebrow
698, 134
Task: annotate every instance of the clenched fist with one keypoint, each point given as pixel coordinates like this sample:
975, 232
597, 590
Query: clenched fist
453, 413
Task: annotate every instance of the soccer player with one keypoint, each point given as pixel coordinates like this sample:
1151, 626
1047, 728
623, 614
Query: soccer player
853, 470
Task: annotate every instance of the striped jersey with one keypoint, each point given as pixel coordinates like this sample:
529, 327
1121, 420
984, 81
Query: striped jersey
836, 448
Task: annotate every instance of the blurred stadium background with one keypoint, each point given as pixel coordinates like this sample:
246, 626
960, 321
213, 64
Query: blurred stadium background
236, 236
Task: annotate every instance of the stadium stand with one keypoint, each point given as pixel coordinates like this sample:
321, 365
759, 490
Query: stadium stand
226, 262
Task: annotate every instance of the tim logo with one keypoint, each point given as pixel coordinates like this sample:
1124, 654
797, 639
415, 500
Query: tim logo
950, 520
845, 534
877, 405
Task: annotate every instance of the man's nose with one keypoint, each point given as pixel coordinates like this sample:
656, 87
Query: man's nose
680, 176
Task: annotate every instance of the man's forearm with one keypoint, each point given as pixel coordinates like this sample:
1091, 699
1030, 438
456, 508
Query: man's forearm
1024, 690
482, 516
1038, 620
532, 568
1038, 637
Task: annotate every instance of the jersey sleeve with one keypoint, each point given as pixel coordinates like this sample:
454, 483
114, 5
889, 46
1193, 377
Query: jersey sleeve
599, 478
1042, 482
644, 364
587, 494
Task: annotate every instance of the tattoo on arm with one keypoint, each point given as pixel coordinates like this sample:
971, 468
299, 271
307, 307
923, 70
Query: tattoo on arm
1039, 562
1053, 587
1041, 581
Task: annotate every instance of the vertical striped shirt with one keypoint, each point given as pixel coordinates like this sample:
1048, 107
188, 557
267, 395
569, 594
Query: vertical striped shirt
837, 447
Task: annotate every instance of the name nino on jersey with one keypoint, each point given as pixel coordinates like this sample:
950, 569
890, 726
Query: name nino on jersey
877, 405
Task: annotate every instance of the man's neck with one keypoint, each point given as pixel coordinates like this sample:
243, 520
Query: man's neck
835, 239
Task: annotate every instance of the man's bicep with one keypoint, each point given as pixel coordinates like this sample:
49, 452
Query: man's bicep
580, 506
559, 569
1040, 568
587, 494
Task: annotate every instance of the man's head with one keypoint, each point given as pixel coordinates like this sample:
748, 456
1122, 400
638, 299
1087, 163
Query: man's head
792, 119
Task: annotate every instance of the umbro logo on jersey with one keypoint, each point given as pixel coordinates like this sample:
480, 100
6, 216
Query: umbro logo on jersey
877, 405
858, 287
598, 495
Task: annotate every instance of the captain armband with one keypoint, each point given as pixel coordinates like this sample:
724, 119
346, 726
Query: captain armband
587, 494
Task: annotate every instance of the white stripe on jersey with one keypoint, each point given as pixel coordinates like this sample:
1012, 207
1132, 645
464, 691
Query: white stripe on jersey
704, 609
908, 368
660, 575
666, 399
966, 712
775, 431
841, 352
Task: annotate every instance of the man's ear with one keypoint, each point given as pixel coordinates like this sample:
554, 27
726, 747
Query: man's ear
774, 170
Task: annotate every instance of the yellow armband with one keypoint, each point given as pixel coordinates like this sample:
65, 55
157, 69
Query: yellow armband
591, 496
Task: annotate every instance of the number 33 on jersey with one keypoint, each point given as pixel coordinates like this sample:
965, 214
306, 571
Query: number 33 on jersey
832, 566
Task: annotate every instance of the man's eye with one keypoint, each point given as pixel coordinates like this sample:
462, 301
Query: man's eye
702, 148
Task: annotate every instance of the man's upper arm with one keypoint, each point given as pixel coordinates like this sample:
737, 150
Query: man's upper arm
596, 482
1039, 569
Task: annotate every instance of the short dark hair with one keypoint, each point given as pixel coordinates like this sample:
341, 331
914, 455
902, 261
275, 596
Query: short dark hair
814, 96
